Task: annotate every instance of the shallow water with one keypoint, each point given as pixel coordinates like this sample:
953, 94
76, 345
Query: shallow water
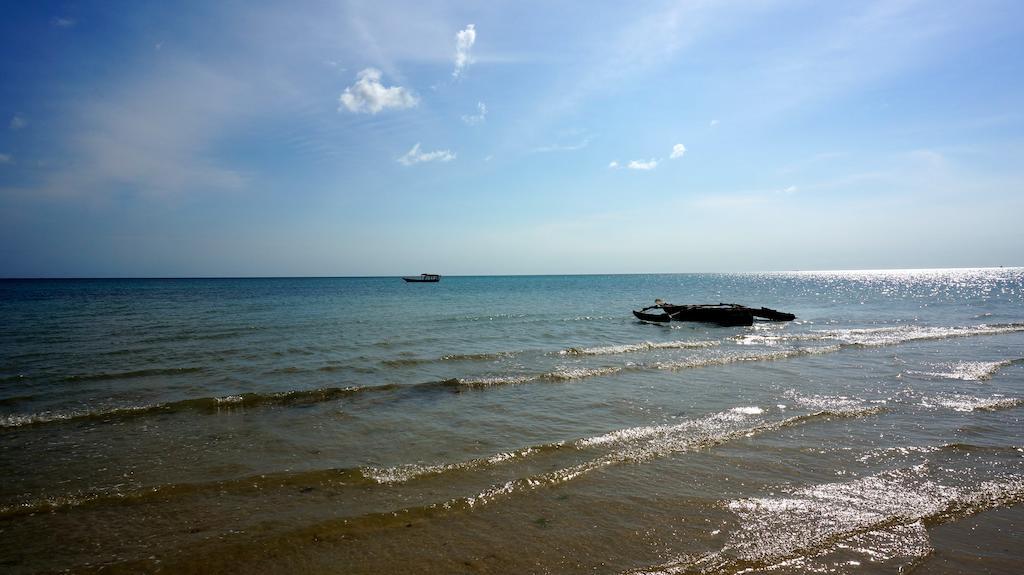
512, 425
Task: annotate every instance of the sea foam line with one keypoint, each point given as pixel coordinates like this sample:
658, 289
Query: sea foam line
970, 370
963, 402
883, 336
635, 347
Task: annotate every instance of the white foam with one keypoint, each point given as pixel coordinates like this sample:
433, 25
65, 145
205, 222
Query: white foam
880, 336
961, 402
229, 399
635, 347
496, 380
860, 515
567, 373
967, 370
833, 403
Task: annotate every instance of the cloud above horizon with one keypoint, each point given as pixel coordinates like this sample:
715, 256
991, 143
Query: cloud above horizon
464, 40
369, 96
415, 156
642, 165
677, 151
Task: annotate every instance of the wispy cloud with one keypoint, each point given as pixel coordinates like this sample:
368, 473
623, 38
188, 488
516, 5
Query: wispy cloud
154, 135
464, 40
713, 123
416, 156
63, 22
18, 122
369, 96
677, 151
613, 165
480, 116
6, 159
643, 165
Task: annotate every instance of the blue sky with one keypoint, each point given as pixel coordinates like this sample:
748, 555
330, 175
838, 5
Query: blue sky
384, 138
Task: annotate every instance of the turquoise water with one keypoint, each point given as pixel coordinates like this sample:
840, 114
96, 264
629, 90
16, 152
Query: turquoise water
512, 425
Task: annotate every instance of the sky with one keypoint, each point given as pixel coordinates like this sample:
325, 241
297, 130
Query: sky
142, 139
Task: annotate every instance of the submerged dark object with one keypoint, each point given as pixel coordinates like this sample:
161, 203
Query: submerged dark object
725, 314
423, 278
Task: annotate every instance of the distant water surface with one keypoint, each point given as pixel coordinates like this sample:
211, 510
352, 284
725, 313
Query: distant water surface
513, 425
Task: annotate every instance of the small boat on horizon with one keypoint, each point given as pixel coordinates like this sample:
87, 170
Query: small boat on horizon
422, 278
724, 314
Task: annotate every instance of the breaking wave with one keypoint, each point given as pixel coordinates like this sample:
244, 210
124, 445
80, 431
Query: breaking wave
879, 517
961, 402
712, 360
882, 336
969, 370
635, 347
558, 375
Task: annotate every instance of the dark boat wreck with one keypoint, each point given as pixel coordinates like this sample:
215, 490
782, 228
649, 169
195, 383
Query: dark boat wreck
725, 314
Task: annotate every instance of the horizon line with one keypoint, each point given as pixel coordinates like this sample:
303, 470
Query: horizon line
847, 270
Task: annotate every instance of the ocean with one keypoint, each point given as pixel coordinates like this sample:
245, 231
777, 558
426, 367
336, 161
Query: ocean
524, 424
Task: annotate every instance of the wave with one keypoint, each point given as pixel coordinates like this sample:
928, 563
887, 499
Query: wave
257, 483
869, 337
962, 402
133, 374
709, 361
640, 444
881, 517
635, 347
887, 453
297, 397
487, 356
253, 399
203, 404
970, 370
559, 375
882, 336
629, 445
408, 472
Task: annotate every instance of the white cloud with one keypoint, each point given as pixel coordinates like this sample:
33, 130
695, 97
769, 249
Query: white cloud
415, 156
63, 22
613, 165
642, 165
677, 151
464, 40
479, 118
18, 122
6, 159
790, 190
369, 96
713, 123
